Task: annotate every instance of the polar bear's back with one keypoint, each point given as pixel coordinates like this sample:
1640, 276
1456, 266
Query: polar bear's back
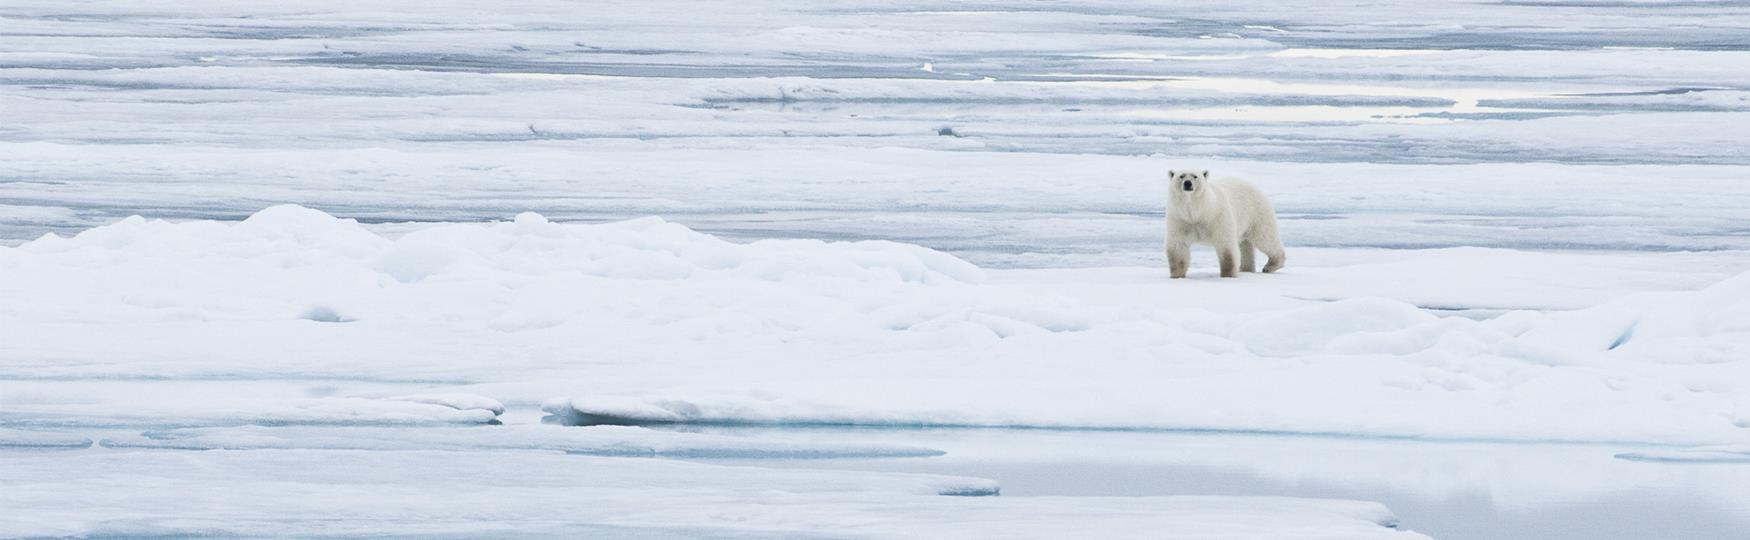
1251, 209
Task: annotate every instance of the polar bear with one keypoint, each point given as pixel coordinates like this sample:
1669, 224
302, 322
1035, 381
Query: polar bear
1229, 214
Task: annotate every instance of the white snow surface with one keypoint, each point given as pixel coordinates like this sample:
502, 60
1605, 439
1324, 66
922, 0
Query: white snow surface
648, 321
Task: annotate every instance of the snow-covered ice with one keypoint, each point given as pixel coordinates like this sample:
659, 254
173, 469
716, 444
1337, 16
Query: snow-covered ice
647, 321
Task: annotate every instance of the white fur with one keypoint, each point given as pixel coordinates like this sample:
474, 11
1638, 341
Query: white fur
1228, 214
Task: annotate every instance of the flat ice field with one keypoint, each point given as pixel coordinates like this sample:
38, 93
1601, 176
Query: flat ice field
870, 269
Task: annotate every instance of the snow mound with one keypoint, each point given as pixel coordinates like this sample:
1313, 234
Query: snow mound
285, 234
651, 248
594, 441
1706, 326
1719, 310
294, 262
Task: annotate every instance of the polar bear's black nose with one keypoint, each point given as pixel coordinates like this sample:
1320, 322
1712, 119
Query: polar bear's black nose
1187, 185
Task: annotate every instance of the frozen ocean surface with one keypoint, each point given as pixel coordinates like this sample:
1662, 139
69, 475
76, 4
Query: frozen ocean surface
772, 240
1015, 134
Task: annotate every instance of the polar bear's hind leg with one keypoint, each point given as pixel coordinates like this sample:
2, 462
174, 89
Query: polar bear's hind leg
1277, 259
1272, 248
1264, 237
1248, 262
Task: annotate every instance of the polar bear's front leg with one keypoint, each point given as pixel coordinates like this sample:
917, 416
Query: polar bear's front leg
1229, 255
1178, 257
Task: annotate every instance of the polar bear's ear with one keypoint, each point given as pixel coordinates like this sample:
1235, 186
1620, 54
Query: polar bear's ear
1206, 173
1172, 174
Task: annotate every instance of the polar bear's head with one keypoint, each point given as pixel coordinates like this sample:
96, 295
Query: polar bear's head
1188, 181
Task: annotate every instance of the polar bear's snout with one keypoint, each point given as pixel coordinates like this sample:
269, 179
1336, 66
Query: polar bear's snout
1187, 185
